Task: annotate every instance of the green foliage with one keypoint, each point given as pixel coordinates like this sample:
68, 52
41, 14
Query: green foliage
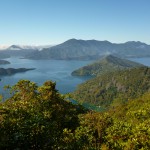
131, 128
41, 118
91, 132
112, 89
35, 117
1, 97
125, 127
107, 64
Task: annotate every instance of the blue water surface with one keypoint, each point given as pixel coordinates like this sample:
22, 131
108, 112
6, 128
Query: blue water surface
58, 71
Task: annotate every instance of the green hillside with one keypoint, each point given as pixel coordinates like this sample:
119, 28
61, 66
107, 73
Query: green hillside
125, 127
114, 88
107, 64
41, 118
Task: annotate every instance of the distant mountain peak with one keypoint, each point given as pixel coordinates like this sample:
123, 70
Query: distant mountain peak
73, 41
111, 57
135, 42
92, 49
14, 47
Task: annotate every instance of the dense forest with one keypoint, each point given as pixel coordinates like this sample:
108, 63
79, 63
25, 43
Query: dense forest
113, 88
42, 118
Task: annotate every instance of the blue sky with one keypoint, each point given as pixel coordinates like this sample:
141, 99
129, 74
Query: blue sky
40, 22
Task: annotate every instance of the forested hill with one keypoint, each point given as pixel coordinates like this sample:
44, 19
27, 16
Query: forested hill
91, 49
114, 88
11, 71
109, 63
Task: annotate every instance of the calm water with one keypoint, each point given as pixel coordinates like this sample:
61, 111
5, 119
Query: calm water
145, 61
55, 70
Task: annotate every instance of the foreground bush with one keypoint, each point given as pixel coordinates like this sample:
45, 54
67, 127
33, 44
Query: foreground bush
41, 118
35, 117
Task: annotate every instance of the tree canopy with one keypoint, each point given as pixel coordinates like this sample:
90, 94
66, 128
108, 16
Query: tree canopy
34, 117
39, 117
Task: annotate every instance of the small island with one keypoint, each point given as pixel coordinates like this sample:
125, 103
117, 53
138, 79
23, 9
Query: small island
3, 62
11, 71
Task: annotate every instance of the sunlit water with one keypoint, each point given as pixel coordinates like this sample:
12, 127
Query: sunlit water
144, 61
55, 70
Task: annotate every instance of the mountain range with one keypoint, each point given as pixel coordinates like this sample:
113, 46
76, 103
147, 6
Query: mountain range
91, 49
19, 50
74, 49
21, 47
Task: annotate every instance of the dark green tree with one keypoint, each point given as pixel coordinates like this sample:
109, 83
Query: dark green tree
35, 117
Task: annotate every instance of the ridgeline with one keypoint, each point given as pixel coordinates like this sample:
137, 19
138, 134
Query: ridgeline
106, 64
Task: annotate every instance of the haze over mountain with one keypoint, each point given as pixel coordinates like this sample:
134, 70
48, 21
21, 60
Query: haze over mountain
91, 49
20, 50
74, 49
2, 47
107, 64
20, 47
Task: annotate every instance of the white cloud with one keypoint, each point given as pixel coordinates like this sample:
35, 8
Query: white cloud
2, 47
